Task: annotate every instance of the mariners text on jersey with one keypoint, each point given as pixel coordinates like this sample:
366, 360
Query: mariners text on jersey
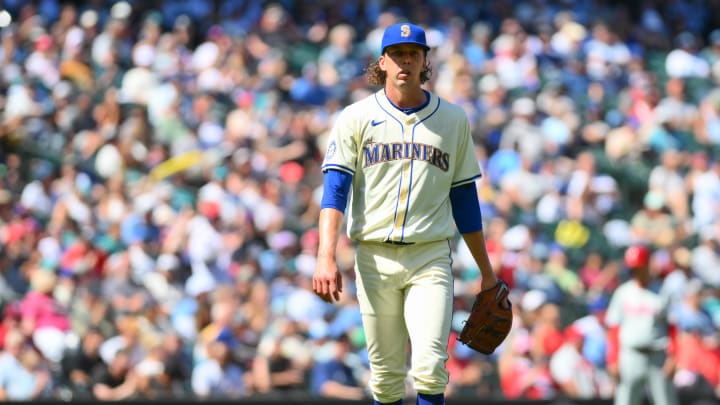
383, 152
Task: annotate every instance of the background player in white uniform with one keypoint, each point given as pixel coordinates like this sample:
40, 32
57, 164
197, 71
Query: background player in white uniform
409, 158
639, 335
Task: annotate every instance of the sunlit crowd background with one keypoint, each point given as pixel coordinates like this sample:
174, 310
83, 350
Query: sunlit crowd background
160, 188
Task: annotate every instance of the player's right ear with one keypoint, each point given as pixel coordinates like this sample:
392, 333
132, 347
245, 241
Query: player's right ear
381, 62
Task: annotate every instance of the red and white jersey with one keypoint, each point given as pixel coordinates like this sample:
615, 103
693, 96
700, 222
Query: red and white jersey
641, 315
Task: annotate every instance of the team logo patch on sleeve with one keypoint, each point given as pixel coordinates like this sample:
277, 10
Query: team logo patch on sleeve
332, 148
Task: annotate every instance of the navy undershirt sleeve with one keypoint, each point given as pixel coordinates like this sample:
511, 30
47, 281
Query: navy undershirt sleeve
336, 188
466, 208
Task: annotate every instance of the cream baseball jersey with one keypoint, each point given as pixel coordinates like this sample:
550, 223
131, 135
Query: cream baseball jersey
403, 166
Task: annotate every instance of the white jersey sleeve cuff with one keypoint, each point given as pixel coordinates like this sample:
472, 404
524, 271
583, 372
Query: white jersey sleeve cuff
466, 181
345, 169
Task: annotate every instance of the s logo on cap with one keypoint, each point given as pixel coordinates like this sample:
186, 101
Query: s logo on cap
403, 33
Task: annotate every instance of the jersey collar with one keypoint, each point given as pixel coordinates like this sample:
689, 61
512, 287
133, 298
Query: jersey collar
403, 114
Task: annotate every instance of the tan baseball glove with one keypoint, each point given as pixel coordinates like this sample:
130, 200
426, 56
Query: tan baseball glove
489, 321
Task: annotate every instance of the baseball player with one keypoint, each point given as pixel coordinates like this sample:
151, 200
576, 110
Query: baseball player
639, 336
409, 159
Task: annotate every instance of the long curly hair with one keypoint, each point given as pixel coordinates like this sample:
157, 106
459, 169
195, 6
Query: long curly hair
376, 76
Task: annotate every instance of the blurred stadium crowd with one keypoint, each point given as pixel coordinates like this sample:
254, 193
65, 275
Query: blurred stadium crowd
160, 186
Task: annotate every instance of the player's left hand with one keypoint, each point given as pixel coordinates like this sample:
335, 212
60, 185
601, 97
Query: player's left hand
669, 366
327, 281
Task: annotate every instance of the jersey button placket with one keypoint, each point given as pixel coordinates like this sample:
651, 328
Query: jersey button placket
404, 194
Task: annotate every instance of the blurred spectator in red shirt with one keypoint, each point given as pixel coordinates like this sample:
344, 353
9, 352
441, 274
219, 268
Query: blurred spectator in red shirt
522, 375
10, 320
43, 317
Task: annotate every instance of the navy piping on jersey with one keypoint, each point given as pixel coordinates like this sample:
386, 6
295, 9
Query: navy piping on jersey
338, 167
406, 111
412, 162
397, 198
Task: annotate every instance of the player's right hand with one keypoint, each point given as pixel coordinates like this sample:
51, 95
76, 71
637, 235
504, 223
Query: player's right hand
613, 371
327, 280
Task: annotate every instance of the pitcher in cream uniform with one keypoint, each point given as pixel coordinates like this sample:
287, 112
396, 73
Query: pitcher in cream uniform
409, 159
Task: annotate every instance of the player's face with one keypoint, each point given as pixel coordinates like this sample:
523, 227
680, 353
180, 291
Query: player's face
403, 64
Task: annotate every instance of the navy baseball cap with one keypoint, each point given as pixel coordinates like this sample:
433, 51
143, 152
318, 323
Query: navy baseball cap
403, 33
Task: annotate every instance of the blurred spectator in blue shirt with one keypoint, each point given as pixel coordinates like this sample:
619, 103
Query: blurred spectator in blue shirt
332, 376
218, 377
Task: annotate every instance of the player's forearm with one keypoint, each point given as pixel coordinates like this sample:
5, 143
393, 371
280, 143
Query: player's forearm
475, 242
329, 228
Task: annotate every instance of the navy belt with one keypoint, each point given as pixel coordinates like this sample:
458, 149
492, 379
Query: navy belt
398, 243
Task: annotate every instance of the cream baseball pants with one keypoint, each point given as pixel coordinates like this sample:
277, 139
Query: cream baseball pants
405, 293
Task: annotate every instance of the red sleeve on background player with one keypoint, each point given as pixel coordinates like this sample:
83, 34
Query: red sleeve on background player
672, 345
613, 346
